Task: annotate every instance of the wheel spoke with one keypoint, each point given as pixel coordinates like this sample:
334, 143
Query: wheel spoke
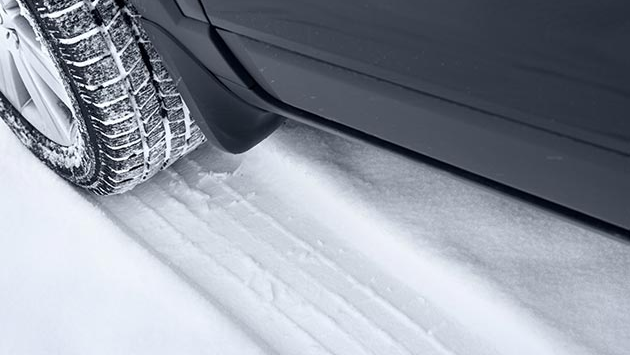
12, 85
34, 55
50, 110
8, 4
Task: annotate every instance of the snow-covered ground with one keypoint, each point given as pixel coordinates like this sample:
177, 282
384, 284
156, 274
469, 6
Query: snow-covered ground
308, 244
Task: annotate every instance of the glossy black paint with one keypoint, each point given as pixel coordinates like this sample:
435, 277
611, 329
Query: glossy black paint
533, 95
546, 83
558, 65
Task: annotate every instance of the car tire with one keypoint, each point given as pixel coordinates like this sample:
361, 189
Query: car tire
129, 121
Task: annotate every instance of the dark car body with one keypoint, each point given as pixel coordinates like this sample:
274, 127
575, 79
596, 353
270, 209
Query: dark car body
533, 95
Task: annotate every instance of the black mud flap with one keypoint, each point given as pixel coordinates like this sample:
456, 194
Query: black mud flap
226, 120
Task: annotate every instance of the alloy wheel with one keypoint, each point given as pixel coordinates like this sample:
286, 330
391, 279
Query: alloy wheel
30, 80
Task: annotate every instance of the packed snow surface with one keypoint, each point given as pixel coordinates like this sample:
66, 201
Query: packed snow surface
308, 244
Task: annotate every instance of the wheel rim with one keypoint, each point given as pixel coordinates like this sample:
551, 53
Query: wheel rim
29, 78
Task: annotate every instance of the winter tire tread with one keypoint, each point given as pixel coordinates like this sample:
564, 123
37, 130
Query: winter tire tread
134, 121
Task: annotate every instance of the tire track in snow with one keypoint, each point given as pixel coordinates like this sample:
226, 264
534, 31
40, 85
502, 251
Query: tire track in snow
331, 269
303, 284
254, 253
296, 283
363, 329
202, 228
